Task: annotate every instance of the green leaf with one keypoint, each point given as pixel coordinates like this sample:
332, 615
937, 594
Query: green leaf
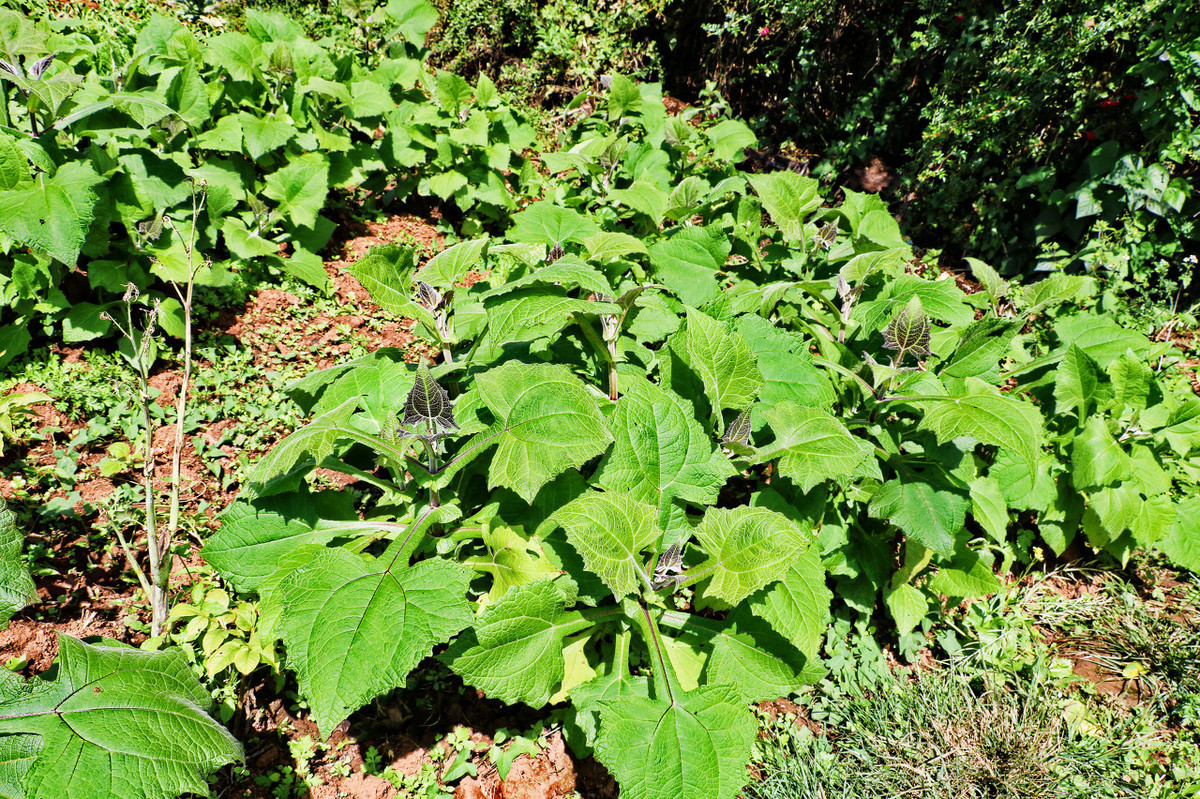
512, 560
610, 531
115, 723
1096, 459
605, 246
355, 627
1077, 383
692, 745
543, 222
16, 586
690, 261
300, 188
988, 416
645, 198
236, 53
747, 548
515, 651
989, 508
789, 199
386, 273
730, 138
967, 577
263, 134
537, 312
1182, 543
661, 454
812, 445
414, 18
547, 422
752, 657
981, 347
84, 322
786, 365
253, 537
1103, 339
922, 511
451, 265
1132, 381
797, 605
14, 168
994, 286
722, 360
941, 299
54, 215
907, 605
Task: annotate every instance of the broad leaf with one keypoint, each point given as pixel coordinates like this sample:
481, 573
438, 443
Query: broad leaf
515, 651
116, 723
610, 531
797, 605
789, 199
747, 549
812, 445
989, 417
546, 423
926, 513
544, 222
16, 586
452, 264
661, 454
53, 215
693, 745
355, 626
722, 360
786, 365
300, 188
690, 261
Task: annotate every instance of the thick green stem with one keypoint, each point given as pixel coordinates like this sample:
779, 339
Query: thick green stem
666, 682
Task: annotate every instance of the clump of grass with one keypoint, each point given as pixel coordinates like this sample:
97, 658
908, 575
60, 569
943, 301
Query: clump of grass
941, 736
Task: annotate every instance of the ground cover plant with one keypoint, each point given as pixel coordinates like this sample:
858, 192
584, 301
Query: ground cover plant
668, 420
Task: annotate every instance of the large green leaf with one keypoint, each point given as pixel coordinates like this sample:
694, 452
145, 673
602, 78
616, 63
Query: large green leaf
1096, 458
386, 273
16, 586
751, 656
797, 605
452, 264
690, 261
53, 215
1182, 543
789, 199
926, 513
300, 188
941, 299
253, 537
1077, 384
690, 745
747, 548
722, 360
515, 651
610, 531
544, 222
811, 445
116, 723
988, 416
536, 312
356, 626
661, 454
546, 423
787, 368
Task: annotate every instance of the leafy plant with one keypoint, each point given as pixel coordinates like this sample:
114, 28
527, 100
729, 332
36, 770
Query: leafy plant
63, 733
642, 456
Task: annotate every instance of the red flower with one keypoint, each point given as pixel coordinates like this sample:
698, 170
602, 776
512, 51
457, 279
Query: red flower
764, 31
959, 17
1087, 134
